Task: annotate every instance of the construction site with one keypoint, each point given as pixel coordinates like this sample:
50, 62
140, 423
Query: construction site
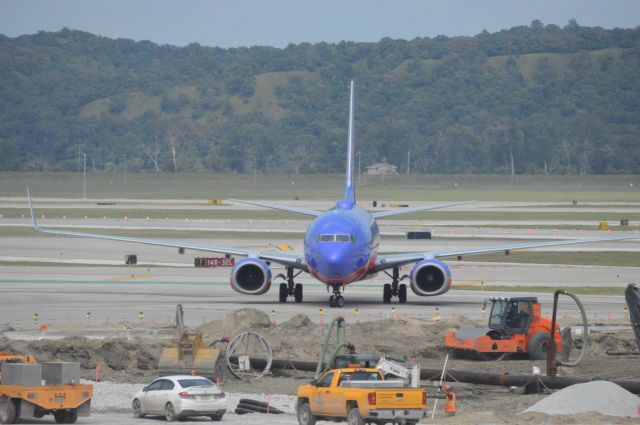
117, 318
121, 365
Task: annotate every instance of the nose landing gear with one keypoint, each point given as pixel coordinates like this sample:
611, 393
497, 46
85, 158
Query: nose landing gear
394, 289
290, 288
336, 300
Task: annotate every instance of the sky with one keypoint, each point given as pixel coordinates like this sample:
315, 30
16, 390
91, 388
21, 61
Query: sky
235, 23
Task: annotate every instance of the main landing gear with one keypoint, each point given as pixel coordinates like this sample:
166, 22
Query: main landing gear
336, 300
394, 289
290, 288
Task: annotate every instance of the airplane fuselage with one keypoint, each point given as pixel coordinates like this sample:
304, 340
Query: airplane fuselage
341, 245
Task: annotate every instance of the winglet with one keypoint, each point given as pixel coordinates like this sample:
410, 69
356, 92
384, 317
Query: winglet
33, 214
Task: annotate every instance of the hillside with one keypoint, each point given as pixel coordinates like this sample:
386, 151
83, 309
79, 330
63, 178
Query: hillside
530, 99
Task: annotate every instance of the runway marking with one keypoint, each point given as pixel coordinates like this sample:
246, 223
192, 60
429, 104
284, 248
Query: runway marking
142, 276
472, 282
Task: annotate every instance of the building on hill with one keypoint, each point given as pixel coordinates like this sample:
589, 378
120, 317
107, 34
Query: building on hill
382, 168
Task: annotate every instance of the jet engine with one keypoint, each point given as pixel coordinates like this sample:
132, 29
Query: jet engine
430, 277
251, 276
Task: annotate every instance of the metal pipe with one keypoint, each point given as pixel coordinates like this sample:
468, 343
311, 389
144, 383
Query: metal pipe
482, 378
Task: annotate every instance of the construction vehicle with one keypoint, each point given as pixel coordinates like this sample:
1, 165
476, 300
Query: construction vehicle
515, 327
359, 395
191, 355
23, 394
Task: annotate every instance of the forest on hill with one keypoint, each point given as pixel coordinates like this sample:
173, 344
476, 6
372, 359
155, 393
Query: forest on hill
530, 99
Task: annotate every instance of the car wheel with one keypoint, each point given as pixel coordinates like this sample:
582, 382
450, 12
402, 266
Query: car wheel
137, 409
305, 416
217, 417
170, 413
354, 418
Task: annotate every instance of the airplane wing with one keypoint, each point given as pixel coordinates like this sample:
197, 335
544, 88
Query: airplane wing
291, 260
391, 213
280, 207
396, 260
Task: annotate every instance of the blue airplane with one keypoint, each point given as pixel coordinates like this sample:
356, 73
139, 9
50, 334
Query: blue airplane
340, 247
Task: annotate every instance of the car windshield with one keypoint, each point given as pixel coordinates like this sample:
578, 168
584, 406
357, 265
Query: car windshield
195, 382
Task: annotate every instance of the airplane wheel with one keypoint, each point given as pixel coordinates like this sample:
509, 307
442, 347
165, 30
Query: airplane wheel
402, 294
386, 293
332, 301
339, 301
283, 293
297, 292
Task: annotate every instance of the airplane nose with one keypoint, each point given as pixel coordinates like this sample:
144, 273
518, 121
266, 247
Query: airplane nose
335, 262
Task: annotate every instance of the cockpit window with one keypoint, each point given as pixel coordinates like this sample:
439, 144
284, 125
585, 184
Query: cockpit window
336, 238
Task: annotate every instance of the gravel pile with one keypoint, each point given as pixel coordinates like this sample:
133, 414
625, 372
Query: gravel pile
603, 397
115, 397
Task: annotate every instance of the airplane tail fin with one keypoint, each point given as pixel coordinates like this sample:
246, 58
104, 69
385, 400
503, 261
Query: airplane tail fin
350, 188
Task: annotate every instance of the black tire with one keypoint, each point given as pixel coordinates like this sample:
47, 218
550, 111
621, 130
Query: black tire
297, 292
354, 418
170, 413
386, 293
284, 293
241, 411
217, 417
60, 416
8, 412
402, 294
339, 301
539, 346
252, 402
260, 409
332, 301
137, 409
71, 416
304, 414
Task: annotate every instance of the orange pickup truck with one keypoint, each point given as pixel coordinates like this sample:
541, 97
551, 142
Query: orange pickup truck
359, 396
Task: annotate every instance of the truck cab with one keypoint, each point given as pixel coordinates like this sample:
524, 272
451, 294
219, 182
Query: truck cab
359, 395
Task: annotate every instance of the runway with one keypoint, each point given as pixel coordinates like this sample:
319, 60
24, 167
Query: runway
93, 278
64, 295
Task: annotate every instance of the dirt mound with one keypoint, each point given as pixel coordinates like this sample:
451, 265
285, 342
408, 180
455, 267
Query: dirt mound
247, 319
131, 356
601, 342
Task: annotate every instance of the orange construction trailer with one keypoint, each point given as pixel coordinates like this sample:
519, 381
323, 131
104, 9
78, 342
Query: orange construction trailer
65, 402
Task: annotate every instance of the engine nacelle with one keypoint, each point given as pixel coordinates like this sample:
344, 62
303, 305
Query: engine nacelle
251, 276
430, 277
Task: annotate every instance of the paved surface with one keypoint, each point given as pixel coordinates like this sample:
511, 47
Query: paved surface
113, 294
66, 293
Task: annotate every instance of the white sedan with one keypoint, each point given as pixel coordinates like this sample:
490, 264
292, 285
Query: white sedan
180, 396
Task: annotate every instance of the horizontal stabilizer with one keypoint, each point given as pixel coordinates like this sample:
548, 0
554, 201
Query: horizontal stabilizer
392, 213
280, 207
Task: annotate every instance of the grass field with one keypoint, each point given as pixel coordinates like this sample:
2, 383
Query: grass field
587, 258
258, 214
327, 187
580, 290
